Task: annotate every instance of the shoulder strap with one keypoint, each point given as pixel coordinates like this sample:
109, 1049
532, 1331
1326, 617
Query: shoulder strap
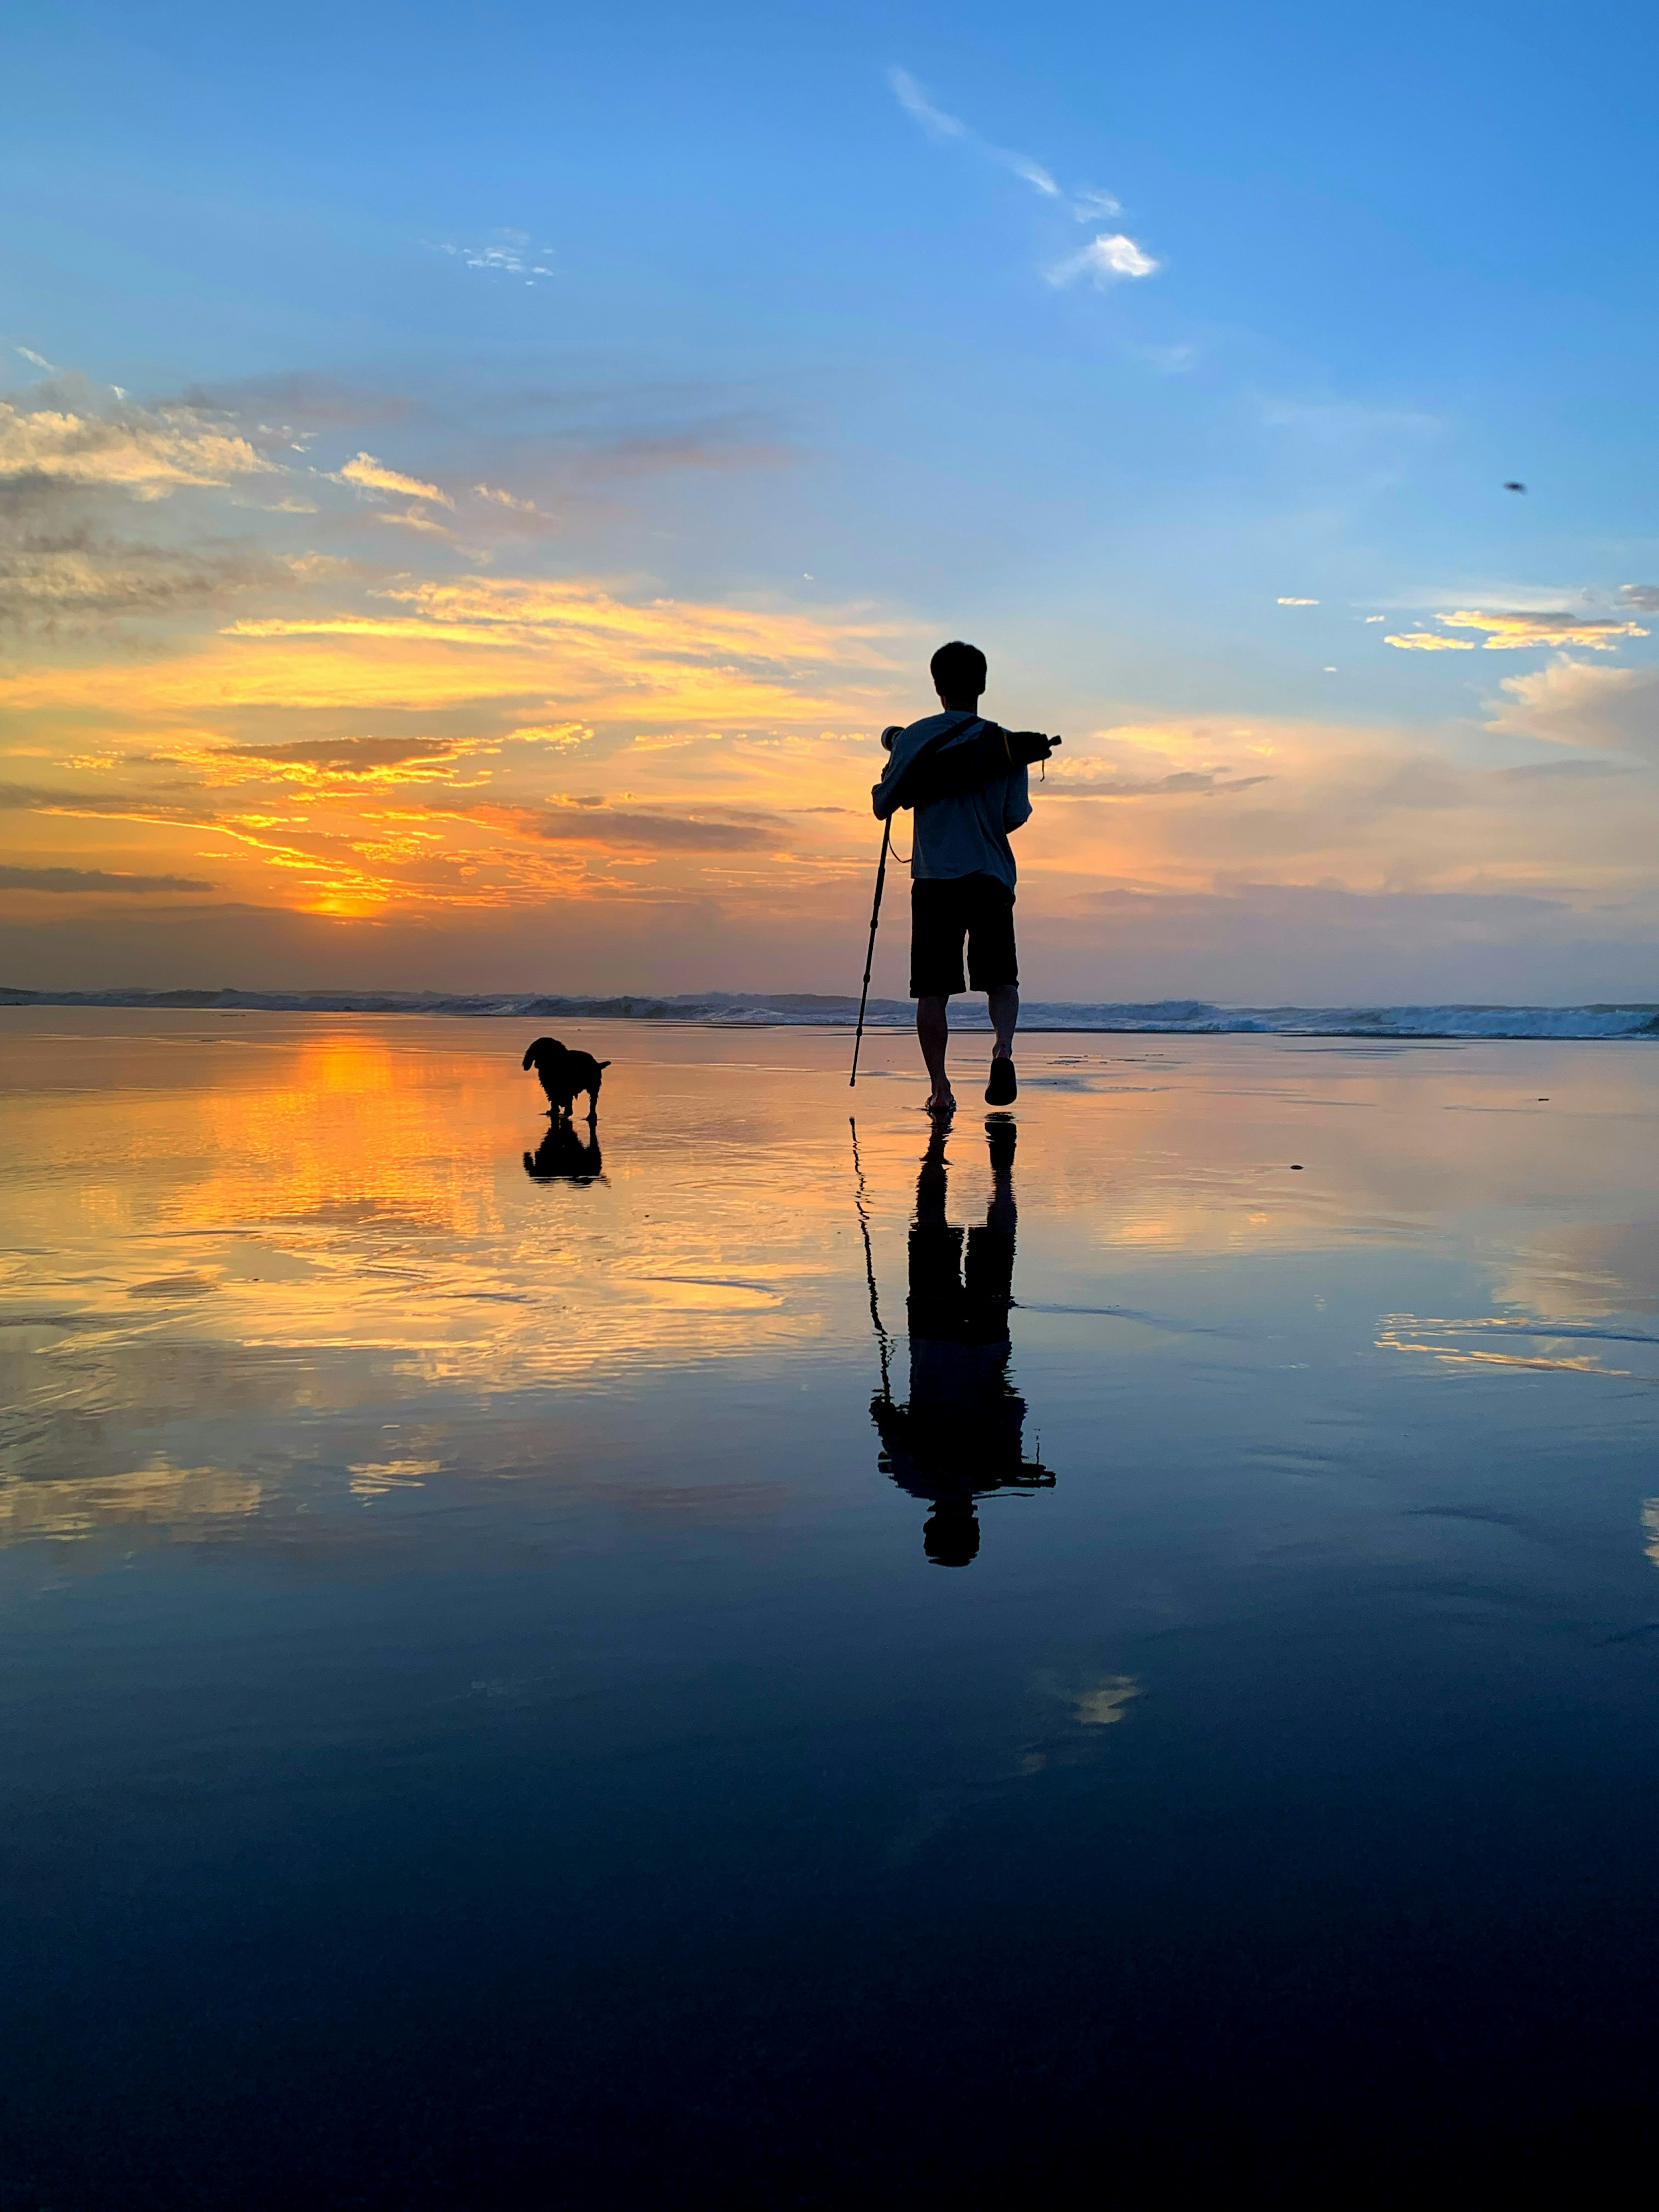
937, 742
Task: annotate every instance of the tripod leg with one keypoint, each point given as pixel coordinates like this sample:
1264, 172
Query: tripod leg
870, 950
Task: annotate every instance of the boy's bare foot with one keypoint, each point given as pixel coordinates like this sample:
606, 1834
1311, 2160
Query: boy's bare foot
942, 1102
1002, 1088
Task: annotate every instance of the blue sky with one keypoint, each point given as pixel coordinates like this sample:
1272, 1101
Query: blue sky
818, 314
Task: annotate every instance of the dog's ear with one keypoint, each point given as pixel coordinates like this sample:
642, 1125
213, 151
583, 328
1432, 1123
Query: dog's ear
529, 1058
535, 1051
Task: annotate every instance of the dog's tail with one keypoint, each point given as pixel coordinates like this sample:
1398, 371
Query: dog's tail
602, 1063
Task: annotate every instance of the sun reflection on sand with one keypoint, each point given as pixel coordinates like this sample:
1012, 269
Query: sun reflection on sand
184, 1501
246, 1258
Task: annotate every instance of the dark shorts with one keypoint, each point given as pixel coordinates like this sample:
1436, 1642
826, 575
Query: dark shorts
942, 913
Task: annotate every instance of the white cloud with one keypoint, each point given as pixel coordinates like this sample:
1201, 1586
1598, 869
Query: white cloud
1428, 641
365, 473
1574, 702
1645, 596
1105, 259
38, 359
1298, 603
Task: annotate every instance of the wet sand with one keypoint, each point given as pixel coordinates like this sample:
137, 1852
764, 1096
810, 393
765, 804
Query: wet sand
521, 1687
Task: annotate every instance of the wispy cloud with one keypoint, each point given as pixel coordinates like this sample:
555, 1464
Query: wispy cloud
580, 823
559, 736
347, 760
1180, 782
504, 254
112, 805
1347, 425
1167, 359
1514, 630
1106, 259
72, 434
74, 581
500, 498
94, 879
1298, 603
1645, 596
365, 473
410, 518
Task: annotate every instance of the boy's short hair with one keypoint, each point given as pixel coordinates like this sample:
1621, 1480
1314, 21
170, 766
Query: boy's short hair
957, 668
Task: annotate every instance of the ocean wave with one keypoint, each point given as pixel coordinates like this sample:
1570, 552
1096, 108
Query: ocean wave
806, 1008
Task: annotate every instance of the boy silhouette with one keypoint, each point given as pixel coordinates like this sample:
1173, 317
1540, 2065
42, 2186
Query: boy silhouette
966, 778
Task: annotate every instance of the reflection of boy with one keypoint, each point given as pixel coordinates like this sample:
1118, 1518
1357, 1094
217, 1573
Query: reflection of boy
962, 1434
966, 779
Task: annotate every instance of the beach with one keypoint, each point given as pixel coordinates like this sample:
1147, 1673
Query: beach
518, 1666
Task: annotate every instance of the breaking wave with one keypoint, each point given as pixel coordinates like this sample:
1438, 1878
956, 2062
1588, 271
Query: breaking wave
757, 1009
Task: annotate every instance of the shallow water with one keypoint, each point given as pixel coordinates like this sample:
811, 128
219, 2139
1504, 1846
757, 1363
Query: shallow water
583, 1679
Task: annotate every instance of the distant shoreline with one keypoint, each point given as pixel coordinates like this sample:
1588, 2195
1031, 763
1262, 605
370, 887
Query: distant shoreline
1603, 1021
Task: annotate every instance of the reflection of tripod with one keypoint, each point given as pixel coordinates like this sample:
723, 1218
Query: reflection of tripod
962, 1436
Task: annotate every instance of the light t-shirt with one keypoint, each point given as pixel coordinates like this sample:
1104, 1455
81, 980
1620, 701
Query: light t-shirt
964, 836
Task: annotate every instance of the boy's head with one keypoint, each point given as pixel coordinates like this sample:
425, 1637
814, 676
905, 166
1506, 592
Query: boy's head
958, 672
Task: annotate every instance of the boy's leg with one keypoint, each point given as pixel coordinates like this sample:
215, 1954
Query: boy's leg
993, 967
933, 1034
1002, 1001
939, 922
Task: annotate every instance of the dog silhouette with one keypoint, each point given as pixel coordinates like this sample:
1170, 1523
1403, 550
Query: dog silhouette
564, 1075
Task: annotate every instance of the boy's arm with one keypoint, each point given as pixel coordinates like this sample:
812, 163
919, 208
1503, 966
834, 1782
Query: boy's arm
885, 795
959, 769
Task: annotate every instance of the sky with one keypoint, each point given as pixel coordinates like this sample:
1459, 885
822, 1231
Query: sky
474, 487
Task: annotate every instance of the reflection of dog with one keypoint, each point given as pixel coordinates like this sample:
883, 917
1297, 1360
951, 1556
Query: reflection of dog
563, 1157
563, 1074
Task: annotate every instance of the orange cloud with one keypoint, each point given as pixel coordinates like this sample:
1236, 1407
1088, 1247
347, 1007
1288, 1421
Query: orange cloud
1509, 632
